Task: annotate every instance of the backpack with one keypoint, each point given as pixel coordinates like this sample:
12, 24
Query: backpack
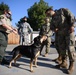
68, 15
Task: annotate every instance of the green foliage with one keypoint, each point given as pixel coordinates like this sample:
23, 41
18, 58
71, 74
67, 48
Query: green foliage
36, 14
3, 7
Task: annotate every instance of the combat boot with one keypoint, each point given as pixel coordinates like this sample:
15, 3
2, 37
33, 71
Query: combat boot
71, 67
63, 64
58, 60
4, 61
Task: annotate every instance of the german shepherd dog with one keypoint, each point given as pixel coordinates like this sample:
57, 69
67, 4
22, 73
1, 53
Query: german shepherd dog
31, 51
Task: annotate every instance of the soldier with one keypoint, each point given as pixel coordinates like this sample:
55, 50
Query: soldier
24, 31
5, 29
45, 30
59, 59
63, 25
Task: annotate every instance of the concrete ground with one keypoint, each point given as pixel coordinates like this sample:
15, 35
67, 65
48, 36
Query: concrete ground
45, 65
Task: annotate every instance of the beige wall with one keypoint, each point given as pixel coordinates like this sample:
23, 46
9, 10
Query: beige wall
13, 38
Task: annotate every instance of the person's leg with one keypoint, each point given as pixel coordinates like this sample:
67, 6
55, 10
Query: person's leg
62, 47
71, 53
59, 58
48, 43
2, 52
26, 38
42, 47
3, 45
20, 42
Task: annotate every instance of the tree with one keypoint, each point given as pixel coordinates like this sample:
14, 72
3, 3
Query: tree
36, 14
3, 7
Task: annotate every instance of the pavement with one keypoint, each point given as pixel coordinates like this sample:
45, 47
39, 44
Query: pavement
45, 65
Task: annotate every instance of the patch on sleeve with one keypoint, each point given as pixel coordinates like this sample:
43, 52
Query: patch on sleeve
1, 17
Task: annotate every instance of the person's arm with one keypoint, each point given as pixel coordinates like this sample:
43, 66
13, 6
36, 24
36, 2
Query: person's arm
19, 30
30, 27
4, 24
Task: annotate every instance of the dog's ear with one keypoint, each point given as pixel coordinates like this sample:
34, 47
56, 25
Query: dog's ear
37, 39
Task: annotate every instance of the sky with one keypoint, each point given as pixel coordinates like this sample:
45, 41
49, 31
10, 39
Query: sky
19, 7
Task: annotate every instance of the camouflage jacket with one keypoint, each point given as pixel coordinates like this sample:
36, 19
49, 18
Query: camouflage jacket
45, 30
25, 28
63, 19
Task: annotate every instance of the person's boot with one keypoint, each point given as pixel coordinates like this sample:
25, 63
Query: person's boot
58, 60
63, 64
71, 67
4, 61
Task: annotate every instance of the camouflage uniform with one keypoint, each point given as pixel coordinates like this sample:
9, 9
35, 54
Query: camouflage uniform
3, 35
24, 31
45, 30
63, 20
56, 43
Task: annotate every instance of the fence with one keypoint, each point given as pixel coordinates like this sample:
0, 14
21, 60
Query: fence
14, 39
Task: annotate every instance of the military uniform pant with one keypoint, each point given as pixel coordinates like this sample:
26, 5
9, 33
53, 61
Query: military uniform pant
26, 38
66, 44
71, 50
56, 43
46, 43
3, 44
21, 40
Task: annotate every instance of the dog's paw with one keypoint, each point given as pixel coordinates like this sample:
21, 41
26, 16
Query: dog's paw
36, 66
9, 66
32, 71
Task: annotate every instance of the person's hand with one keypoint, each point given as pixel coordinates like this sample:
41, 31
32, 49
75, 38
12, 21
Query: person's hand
15, 31
45, 37
56, 29
72, 29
